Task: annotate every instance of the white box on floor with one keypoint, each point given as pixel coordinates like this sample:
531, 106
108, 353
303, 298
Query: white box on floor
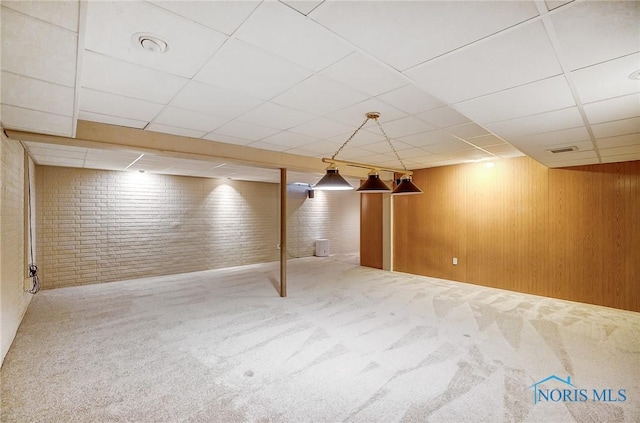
322, 247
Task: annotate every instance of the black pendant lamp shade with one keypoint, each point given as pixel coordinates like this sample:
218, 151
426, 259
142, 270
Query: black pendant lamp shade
373, 185
332, 181
406, 187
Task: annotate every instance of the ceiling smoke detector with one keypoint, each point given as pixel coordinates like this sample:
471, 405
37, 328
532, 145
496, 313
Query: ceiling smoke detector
562, 150
149, 42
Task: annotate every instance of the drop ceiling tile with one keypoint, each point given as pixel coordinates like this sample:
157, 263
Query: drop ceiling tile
275, 116
613, 109
245, 130
468, 130
289, 139
608, 79
365, 74
113, 156
223, 16
324, 147
572, 156
355, 114
618, 151
405, 34
322, 128
503, 150
36, 121
42, 151
181, 118
572, 163
353, 154
303, 6
485, 140
35, 94
301, 151
443, 117
27, 46
450, 146
111, 26
616, 127
61, 13
311, 47
621, 158
411, 99
619, 141
541, 96
111, 120
205, 98
173, 130
595, 31
425, 139
498, 63
405, 126
116, 105
243, 68
543, 122
554, 4
552, 138
60, 161
362, 138
384, 148
319, 95
107, 74
580, 145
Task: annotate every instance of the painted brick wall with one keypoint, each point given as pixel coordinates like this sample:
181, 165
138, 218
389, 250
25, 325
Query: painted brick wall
332, 215
100, 226
13, 299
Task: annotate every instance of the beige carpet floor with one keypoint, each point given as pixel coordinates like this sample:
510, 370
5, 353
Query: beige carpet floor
349, 344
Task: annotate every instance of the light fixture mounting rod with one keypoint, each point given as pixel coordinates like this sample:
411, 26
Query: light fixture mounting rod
366, 166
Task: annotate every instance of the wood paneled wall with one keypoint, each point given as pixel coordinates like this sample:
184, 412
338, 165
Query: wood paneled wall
570, 233
371, 230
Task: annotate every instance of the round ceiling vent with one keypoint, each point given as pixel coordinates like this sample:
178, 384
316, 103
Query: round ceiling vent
149, 42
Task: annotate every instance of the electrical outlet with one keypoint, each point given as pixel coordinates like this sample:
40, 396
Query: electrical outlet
455, 261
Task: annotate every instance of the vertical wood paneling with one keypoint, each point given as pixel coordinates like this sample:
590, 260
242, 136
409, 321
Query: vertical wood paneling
371, 230
567, 233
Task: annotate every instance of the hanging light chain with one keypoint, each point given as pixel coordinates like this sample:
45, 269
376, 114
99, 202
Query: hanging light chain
349, 139
390, 144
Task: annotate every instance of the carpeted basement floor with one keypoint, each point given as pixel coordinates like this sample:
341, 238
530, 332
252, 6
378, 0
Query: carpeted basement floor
349, 344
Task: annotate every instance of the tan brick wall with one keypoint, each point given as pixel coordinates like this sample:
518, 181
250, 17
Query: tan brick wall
333, 215
13, 299
99, 226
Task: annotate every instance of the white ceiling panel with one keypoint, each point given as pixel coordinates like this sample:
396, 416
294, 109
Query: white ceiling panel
267, 146
554, 138
443, 117
620, 158
36, 121
542, 96
62, 161
504, 151
485, 140
246, 69
617, 127
245, 130
35, 94
383, 147
411, 99
224, 16
613, 109
449, 146
213, 136
418, 31
218, 101
355, 114
365, 74
608, 79
289, 139
271, 27
181, 118
498, 63
618, 151
574, 162
323, 128
405, 126
426, 139
543, 122
591, 32
61, 13
34, 48
111, 26
551, 158
468, 130
275, 116
48, 150
303, 6
111, 75
174, 130
319, 95
111, 120
619, 141
116, 105
554, 4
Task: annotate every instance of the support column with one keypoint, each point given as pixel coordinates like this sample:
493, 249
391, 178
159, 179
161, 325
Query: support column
283, 232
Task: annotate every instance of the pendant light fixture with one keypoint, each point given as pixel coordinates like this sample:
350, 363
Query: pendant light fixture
333, 181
